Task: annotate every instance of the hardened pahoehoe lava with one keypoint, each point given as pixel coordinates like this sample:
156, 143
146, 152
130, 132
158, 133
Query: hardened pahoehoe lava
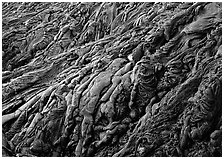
112, 79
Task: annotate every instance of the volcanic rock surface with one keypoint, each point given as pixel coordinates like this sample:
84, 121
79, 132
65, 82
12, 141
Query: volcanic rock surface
111, 79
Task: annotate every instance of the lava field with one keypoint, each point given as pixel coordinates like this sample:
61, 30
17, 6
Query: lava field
107, 79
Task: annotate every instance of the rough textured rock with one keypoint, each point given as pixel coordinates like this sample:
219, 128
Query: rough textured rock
112, 79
